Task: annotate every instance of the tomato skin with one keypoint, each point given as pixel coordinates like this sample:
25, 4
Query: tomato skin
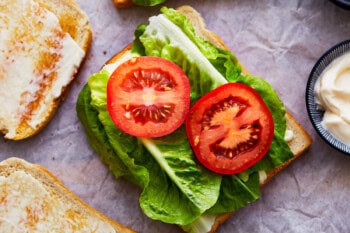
230, 128
148, 96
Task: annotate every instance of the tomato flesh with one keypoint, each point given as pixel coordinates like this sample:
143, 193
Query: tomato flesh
230, 128
148, 96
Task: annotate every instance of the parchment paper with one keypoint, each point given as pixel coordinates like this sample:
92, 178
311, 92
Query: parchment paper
278, 40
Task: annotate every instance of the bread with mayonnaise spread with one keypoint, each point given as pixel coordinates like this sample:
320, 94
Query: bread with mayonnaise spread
32, 199
42, 45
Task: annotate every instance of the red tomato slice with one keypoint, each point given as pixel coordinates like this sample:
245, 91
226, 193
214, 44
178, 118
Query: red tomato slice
230, 128
148, 96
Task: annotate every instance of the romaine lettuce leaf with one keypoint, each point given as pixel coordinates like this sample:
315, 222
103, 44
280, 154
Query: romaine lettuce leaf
164, 39
128, 149
235, 193
148, 2
174, 155
169, 176
96, 135
158, 188
163, 200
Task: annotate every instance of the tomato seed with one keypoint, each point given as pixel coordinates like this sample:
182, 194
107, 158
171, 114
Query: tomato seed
153, 113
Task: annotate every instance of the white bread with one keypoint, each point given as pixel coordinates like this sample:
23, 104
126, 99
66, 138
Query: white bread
43, 44
34, 200
300, 141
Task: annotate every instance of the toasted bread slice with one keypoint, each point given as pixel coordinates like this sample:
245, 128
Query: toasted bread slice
43, 44
34, 200
72, 20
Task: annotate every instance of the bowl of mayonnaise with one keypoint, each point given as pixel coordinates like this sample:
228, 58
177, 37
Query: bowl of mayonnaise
328, 96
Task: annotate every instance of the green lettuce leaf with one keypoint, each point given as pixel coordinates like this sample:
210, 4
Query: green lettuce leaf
174, 155
148, 2
164, 39
127, 148
170, 178
235, 193
160, 196
96, 135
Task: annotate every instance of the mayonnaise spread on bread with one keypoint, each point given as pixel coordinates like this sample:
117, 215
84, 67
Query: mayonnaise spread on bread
27, 206
332, 91
288, 135
37, 60
112, 66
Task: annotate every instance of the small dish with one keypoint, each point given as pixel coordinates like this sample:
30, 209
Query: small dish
315, 114
342, 3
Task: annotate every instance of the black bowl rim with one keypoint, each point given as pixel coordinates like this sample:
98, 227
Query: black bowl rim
310, 99
342, 3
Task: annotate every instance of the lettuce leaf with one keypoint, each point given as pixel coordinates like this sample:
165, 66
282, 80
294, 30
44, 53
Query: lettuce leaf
174, 155
235, 193
159, 194
96, 135
162, 38
170, 178
148, 2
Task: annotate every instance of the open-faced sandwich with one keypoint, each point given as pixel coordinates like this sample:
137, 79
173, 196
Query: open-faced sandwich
176, 114
43, 44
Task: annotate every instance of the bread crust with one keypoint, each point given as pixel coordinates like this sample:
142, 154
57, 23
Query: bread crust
72, 20
75, 22
301, 140
53, 185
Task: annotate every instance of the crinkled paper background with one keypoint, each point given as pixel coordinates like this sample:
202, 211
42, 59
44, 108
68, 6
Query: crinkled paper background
278, 40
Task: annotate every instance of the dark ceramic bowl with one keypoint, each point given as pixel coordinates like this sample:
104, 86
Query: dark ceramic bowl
342, 3
315, 114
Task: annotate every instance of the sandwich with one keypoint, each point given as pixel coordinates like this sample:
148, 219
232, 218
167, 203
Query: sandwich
33, 200
217, 160
43, 44
129, 3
